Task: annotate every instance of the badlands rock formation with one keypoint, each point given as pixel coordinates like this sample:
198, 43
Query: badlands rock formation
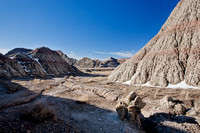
87, 63
172, 55
31, 66
90, 63
18, 51
52, 62
10, 68
71, 61
110, 62
38, 63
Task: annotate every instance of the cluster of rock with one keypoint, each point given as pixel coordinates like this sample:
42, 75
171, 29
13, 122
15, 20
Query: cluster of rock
176, 107
40, 62
177, 117
171, 56
130, 109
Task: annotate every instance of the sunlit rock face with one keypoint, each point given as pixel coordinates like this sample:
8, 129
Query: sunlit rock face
172, 56
52, 62
40, 62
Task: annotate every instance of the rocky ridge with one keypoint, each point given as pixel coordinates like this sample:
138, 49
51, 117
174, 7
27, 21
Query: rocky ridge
10, 68
40, 62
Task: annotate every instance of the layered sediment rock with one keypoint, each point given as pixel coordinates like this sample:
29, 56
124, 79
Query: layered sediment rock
71, 61
10, 68
88, 63
52, 62
40, 62
172, 55
15, 51
31, 66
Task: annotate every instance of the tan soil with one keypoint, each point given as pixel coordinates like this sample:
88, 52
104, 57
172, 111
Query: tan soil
86, 103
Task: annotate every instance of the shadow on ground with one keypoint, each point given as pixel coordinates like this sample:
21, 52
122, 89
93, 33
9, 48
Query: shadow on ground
26, 110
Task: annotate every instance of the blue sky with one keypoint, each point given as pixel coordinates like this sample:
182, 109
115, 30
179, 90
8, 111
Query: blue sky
91, 28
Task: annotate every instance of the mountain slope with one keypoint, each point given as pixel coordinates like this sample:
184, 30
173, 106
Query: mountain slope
10, 68
18, 51
172, 56
52, 62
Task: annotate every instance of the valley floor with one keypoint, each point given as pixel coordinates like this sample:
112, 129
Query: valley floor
84, 104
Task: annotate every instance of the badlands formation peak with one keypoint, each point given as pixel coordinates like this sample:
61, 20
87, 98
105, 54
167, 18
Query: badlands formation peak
40, 62
172, 56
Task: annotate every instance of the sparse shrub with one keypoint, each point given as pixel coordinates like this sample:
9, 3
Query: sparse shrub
39, 113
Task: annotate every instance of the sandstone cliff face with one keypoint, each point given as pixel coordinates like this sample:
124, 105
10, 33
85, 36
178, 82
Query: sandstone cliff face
172, 56
52, 62
10, 68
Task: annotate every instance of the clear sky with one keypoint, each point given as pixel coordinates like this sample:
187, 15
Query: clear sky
91, 28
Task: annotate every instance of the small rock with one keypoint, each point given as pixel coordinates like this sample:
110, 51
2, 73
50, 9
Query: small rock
179, 109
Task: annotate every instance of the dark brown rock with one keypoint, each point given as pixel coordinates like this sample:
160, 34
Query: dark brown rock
10, 68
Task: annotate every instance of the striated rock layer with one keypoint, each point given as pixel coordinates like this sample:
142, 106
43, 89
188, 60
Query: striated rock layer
10, 68
71, 61
172, 56
52, 62
15, 51
38, 63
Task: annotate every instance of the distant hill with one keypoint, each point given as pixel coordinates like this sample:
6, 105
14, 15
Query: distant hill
39, 62
18, 50
90, 63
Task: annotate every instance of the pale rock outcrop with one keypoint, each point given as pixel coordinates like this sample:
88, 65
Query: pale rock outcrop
130, 108
172, 55
175, 107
